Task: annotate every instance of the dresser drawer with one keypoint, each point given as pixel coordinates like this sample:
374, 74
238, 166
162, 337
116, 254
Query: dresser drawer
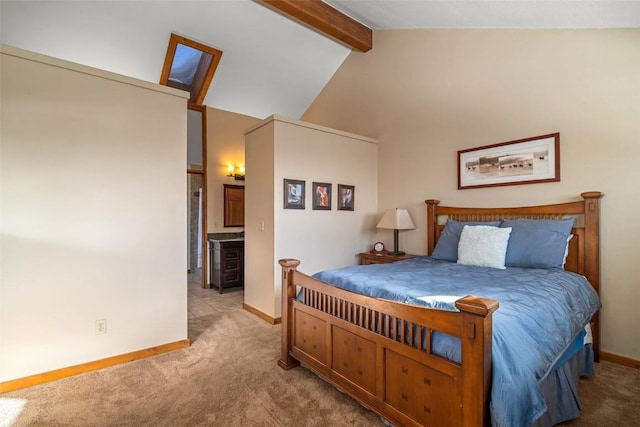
231, 264
231, 278
230, 254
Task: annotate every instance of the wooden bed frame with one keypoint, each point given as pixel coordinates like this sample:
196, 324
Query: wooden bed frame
379, 351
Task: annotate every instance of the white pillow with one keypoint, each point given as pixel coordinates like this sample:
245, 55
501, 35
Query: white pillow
483, 246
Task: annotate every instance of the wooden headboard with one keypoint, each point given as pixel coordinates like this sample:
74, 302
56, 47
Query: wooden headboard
584, 247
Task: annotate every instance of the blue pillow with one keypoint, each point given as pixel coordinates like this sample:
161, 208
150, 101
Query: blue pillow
537, 243
447, 246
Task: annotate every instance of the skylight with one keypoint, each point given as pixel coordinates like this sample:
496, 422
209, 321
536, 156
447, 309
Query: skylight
185, 63
189, 66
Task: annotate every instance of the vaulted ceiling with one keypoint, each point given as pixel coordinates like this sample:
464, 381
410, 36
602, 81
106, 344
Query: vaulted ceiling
270, 63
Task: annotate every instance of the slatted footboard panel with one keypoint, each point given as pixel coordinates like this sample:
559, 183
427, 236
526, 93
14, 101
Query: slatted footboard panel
380, 352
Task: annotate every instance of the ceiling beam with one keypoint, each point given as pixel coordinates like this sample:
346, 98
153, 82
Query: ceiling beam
327, 20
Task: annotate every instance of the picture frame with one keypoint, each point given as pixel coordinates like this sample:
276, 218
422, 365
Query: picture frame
346, 197
321, 196
293, 194
523, 161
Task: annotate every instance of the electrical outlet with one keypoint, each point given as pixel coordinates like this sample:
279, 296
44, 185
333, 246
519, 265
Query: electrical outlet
261, 226
101, 326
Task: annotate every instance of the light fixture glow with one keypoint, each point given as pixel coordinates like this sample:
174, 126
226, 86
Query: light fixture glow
236, 172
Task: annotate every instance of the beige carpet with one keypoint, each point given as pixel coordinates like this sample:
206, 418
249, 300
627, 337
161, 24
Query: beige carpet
229, 377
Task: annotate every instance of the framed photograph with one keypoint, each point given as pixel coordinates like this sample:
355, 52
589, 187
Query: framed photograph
525, 161
293, 194
321, 196
346, 194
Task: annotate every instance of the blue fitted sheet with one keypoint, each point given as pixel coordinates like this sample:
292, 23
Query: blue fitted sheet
542, 312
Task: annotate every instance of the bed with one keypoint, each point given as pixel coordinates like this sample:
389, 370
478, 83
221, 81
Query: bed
389, 355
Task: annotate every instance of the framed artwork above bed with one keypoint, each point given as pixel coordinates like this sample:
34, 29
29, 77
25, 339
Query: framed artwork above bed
524, 161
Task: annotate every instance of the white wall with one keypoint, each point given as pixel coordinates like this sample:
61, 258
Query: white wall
319, 239
260, 207
92, 214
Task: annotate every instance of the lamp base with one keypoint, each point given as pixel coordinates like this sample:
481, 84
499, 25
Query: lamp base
396, 252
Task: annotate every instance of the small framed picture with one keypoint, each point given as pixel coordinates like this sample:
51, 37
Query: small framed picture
293, 194
321, 196
346, 194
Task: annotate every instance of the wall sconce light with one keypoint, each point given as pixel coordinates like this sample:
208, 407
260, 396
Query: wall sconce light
396, 219
236, 172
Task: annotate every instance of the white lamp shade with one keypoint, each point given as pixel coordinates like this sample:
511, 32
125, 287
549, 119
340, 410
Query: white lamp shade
396, 219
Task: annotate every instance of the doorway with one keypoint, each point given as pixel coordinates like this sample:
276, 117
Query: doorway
197, 195
195, 229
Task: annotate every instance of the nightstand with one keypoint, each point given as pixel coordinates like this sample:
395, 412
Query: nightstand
369, 258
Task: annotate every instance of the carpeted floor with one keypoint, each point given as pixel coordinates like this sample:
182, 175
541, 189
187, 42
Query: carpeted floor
229, 377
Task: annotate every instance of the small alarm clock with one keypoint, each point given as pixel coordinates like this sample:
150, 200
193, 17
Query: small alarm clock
378, 249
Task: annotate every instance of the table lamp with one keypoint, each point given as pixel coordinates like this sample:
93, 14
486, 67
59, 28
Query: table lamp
396, 219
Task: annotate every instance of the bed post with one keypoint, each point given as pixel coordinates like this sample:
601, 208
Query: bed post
476, 340
289, 265
592, 256
432, 223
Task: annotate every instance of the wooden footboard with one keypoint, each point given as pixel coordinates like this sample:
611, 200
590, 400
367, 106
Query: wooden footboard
380, 353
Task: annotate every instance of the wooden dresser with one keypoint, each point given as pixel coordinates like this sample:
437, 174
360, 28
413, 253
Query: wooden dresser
226, 260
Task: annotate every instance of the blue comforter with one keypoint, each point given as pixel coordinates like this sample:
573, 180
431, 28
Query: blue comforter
541, 312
